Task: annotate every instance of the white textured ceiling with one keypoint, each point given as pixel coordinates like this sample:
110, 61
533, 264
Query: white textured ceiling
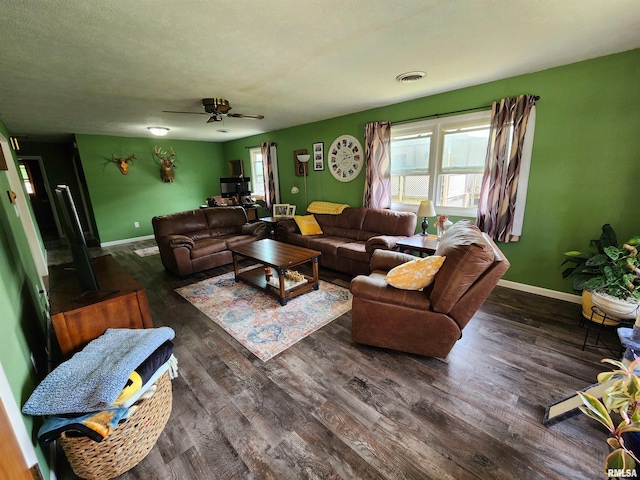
110, 67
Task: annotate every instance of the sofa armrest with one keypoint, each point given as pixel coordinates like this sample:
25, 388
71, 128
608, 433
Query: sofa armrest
286, 227
385, 260
256, 229
384, 242
174, 241
374, 288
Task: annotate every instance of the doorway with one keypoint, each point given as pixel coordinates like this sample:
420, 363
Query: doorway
36, 185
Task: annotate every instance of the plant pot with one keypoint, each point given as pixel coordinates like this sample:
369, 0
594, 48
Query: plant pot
615, 307
587, 303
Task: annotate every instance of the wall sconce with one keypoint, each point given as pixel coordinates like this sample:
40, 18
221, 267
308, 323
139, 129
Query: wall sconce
295, 190
304, 158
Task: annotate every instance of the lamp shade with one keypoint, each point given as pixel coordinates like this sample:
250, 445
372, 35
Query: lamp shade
304, 158
426, 209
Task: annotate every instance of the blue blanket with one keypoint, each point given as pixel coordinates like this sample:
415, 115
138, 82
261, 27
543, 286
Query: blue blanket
92, 379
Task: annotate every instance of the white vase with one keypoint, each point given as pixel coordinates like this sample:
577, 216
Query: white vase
615, 307
441, 229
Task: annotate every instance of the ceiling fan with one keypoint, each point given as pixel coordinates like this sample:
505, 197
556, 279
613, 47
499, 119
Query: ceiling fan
217, 108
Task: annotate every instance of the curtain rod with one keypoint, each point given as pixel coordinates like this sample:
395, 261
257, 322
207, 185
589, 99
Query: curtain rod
259, 146
437, 115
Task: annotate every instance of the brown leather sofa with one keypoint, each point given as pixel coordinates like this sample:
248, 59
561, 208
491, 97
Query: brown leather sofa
429, 321
349, 238
200, 239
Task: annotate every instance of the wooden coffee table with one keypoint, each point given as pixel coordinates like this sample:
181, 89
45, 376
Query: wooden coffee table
280, 257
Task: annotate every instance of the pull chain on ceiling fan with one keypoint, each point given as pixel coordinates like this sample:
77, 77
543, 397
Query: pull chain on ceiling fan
217, 108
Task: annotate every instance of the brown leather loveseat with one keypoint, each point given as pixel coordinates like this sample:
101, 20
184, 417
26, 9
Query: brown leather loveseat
349, 238
197, 240
429, 321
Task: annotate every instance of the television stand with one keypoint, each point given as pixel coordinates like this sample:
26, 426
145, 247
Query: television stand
78, 317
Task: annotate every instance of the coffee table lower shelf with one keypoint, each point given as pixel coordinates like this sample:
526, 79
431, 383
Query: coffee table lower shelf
256, 277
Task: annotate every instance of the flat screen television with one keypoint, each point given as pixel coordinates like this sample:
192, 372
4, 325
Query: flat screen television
75, 238
235, 186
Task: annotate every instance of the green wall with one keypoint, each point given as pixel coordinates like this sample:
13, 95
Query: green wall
120, 200
585, 157
22, 318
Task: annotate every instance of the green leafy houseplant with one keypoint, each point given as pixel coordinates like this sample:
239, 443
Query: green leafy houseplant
579, 266
607, 268
623, 399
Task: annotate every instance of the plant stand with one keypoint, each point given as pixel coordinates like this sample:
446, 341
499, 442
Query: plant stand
606, 320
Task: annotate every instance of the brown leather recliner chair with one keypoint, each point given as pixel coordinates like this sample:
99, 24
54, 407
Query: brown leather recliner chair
429, 321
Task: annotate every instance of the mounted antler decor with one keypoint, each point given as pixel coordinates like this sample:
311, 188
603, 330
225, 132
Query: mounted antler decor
166, 163
123, 163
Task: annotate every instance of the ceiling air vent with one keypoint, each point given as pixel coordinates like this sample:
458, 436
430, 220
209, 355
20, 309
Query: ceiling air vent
410, 77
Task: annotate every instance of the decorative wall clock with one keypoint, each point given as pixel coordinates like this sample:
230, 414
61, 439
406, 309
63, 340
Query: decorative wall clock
345, 158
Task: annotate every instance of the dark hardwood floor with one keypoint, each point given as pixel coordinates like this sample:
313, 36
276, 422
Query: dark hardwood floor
328, 408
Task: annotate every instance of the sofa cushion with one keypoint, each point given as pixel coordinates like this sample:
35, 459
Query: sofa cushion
207, 246
225, 217
307, 225
183, 223
388, 222
237, 240
326, 244
416, 274
354, 251
468, 257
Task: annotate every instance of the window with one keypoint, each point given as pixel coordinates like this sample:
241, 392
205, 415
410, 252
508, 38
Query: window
441, 160
28, 185
257, 175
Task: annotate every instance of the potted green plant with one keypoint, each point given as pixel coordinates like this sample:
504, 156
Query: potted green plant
580, 271
609, 272
623, 399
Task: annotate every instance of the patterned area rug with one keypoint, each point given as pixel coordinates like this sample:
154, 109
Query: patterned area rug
145, 252
257, 320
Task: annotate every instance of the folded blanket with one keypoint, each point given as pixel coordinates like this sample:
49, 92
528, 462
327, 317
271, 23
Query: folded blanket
93, 378
96, 426
326, 207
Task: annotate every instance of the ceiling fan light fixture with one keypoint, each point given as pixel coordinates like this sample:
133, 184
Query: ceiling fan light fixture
158, 131
410, 77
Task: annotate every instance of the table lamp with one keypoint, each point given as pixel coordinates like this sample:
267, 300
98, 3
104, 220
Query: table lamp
426, 210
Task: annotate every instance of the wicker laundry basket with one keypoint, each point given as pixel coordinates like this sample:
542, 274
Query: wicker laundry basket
127, 445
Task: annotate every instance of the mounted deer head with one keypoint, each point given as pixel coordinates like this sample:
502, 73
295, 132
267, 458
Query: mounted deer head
166, 163
123, 163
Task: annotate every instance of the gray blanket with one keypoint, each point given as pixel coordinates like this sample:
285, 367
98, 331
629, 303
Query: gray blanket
92, 379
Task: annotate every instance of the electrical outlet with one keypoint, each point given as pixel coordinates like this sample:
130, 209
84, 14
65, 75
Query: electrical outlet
136, 224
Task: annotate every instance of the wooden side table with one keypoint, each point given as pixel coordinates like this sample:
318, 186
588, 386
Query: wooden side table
78, 318
423, 244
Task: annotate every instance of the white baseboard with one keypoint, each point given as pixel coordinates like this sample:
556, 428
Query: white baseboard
545, 292
126, 240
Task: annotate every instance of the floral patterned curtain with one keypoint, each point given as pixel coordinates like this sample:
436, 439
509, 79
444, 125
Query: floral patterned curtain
269, 170
377, 187
504, 184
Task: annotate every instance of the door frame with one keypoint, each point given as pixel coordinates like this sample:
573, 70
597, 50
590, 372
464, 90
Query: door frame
47, 187
24, 213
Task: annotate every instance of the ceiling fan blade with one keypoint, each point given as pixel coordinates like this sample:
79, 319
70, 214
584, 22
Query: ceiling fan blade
242, 115
191, 113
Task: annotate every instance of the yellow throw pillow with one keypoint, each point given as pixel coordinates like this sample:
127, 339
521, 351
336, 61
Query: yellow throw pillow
308, 225
416, 274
